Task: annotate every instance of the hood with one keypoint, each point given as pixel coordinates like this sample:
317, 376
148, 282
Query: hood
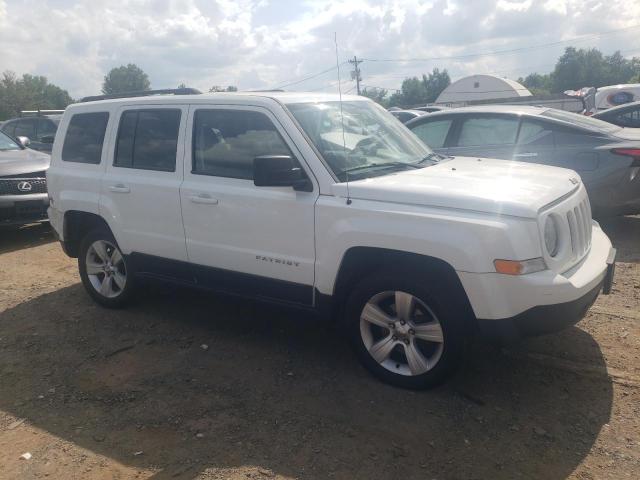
483, 185
17, 162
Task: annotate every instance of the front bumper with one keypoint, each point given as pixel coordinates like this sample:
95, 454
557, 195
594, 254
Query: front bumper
22, 209
543, 302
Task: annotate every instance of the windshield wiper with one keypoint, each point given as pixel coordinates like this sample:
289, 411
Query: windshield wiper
379, 165
433, 156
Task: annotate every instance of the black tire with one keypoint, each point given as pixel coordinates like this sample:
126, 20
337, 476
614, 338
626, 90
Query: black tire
452, 315
121, 295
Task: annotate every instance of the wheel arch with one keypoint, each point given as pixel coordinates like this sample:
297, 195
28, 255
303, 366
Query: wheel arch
76, 225
358, 262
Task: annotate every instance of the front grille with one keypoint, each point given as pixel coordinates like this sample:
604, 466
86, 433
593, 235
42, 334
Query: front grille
23, 185
579, 219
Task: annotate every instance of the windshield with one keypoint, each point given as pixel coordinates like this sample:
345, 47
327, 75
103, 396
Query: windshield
6, 143
373, 142
581, 120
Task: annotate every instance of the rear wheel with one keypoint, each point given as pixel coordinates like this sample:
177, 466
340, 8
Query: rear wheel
403, 333
104, 270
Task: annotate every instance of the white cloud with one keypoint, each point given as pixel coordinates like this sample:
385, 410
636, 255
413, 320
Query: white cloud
264, 43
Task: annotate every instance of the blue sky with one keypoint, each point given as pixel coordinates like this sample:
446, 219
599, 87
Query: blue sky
266, 43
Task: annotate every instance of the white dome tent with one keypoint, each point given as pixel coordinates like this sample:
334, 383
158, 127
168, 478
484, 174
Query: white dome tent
482, 87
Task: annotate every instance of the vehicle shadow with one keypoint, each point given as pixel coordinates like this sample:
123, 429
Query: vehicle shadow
25, 236
624, 233
201, 383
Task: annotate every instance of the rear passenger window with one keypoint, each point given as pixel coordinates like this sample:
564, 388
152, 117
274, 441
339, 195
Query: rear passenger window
84, 137
488, 131
148, 139
226, 142
434, 133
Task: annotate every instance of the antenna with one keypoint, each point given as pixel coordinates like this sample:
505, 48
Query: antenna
344, 141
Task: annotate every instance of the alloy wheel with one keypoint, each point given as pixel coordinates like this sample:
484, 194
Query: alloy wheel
106, 269
401, 333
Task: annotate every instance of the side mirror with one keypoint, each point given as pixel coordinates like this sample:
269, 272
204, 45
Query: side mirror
24, 141
47, 139
279, 171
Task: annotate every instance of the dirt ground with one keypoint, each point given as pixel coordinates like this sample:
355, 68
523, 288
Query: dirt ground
188, 385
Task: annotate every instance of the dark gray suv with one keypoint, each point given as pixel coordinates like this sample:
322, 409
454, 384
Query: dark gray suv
40, 129
606, 156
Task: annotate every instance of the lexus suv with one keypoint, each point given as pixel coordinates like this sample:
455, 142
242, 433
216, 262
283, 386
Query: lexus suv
23, 185
329, 205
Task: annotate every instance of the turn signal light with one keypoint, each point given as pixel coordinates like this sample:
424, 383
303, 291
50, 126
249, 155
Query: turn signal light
519, 267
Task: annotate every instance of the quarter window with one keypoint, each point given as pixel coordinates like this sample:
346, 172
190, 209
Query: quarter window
225, 142
535, 133
26, 128
84, 137
148, 139
488, 131
434, 133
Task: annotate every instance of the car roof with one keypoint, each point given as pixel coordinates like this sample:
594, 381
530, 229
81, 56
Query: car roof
517, 109
229, 97
624, 106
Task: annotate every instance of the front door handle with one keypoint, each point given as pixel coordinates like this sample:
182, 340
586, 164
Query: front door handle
526, 155
203, 198
119, 188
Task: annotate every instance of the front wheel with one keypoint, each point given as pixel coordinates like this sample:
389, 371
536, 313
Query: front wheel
104, 270
403, 334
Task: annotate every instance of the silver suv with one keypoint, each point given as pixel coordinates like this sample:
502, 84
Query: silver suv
23, 184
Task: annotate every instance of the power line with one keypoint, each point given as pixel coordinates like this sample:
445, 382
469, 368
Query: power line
503, 52
310, 77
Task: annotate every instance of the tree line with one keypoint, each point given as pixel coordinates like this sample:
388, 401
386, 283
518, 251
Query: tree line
574, 69
31, 92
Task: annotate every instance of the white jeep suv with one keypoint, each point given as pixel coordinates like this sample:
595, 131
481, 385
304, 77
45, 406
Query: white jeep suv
329, 206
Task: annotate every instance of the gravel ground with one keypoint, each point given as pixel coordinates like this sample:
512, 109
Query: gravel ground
188, 385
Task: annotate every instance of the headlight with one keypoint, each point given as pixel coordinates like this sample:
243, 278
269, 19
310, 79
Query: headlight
551, 236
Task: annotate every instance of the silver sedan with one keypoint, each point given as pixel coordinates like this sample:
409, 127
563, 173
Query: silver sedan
606, 156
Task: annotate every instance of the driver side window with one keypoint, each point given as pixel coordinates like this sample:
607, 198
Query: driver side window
225, 142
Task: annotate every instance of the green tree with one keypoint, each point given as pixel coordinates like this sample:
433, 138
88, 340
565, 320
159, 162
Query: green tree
589, 68
218, 88
29, 92
126, 78
537, 83
435, 83
378, 95
418, 91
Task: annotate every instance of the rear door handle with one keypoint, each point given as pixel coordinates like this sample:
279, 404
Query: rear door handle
203, 198
119, 188
526, 155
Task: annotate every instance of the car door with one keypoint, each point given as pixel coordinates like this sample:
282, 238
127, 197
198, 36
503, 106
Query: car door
485, 135
242, 238
433, 132
141, 187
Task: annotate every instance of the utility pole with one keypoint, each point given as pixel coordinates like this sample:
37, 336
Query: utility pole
355, 74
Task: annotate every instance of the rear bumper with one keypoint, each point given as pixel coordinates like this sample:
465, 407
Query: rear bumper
21, 209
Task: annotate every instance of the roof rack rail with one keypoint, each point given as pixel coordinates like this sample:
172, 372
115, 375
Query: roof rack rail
144, 93
37, 113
